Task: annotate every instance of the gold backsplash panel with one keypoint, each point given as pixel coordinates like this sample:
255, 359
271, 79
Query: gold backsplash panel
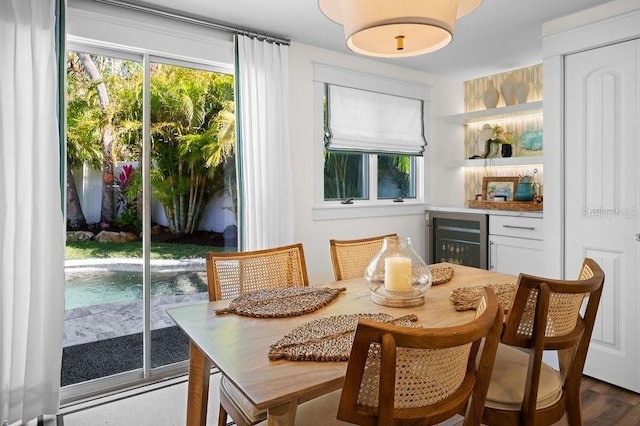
474, 89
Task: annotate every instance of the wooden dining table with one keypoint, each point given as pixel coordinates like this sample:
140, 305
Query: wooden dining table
238, 345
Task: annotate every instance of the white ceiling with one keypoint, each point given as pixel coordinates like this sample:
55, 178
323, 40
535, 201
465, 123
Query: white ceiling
498, 36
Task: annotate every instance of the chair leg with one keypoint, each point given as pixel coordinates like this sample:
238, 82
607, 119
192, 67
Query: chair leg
574, 409
222, 416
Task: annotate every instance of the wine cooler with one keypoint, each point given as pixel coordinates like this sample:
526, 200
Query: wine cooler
459, 238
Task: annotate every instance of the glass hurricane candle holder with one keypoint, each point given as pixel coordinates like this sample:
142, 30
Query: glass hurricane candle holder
396, 275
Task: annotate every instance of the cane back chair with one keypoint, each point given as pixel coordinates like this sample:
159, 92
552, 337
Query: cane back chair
350, 258
545, 316
232, 274
403, 375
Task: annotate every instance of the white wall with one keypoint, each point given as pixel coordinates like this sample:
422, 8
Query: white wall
94, 21
443, 185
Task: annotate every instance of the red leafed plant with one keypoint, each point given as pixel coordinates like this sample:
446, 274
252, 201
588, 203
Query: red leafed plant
125, 176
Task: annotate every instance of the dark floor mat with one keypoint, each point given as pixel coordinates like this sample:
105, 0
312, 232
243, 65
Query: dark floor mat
93, 360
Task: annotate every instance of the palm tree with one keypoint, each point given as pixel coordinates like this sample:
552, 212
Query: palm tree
83, 130
107, 210
192, 132
186, 108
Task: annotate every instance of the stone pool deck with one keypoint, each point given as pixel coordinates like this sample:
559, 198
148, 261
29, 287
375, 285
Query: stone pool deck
99, 322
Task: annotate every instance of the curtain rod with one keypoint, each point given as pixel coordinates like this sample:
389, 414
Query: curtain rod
205, 23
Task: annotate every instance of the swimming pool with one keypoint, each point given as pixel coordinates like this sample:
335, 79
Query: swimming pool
95, 286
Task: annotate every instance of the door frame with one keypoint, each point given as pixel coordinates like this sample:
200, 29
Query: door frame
146, 375
611, 23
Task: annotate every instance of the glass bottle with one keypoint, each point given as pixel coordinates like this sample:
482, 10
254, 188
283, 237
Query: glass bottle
396, 275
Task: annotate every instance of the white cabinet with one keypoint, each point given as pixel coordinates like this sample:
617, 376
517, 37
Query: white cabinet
515, 244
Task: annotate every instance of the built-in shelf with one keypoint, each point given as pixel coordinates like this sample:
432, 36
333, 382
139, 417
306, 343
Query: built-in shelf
511, 111
488, 162
511, 161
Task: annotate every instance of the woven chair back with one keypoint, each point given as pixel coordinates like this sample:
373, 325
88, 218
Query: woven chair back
233, 274
546, 315
565, 300
350, 258
405, 373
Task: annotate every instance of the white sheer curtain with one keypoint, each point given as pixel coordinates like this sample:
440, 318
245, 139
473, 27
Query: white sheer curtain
264, 150
31, 220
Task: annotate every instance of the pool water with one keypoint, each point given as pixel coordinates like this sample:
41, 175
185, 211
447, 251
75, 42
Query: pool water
88, 287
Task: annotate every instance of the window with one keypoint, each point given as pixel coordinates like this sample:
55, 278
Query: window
346, 176
371, 145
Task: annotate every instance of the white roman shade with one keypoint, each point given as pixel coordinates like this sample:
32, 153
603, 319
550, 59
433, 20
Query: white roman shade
371, 122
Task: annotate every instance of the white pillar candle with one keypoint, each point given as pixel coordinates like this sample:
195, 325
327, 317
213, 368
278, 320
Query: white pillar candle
397, 273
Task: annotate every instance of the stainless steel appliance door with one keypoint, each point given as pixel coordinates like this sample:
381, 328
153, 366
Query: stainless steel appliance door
459, 238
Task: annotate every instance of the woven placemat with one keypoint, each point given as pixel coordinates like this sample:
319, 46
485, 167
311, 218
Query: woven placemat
281, 302
440, 274
466, 298
328, 339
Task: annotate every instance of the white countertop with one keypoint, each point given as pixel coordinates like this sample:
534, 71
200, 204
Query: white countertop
464, 209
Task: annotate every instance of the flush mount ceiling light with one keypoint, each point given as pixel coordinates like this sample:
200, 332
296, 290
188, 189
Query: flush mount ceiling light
396, 28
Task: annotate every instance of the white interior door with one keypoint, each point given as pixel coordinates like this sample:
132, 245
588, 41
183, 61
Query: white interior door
601, 198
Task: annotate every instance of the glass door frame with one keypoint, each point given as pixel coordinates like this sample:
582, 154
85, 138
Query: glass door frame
145, 375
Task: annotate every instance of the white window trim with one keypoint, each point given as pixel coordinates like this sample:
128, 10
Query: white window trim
329, 210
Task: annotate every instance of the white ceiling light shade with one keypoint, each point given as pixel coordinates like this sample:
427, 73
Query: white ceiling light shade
467, 6
332, 9
397, 28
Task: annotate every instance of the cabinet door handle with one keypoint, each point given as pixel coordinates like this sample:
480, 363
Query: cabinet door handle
529, 228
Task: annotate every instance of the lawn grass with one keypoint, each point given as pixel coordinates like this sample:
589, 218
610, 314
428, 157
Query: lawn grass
93, 249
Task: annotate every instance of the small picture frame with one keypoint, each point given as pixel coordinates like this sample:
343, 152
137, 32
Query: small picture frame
504, 186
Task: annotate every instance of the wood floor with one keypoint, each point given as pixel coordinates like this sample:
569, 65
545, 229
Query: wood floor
604, 404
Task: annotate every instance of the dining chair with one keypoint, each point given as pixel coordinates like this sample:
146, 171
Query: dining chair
350, 258
545, 315
231, 274
403, 375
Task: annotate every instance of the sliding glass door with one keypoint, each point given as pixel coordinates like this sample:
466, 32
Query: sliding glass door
150, 190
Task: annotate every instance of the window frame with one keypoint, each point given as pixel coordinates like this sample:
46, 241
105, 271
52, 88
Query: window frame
373, 207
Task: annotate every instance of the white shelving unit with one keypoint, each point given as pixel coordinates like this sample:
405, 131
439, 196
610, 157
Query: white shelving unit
498, 161
505, 112
511, 161
502, 113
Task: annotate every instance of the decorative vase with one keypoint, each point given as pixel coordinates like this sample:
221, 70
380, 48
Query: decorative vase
491, 95
491, 149
508, 89
396, 275
506, 150
525, 191
522, 92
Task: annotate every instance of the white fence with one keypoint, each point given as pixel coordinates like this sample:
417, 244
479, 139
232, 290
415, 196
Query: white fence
216, 216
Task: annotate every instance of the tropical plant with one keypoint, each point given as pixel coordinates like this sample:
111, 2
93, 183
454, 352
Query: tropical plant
83, 131
190, 110
103, 124
192, 135
397, 168
127, 192
343, 175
